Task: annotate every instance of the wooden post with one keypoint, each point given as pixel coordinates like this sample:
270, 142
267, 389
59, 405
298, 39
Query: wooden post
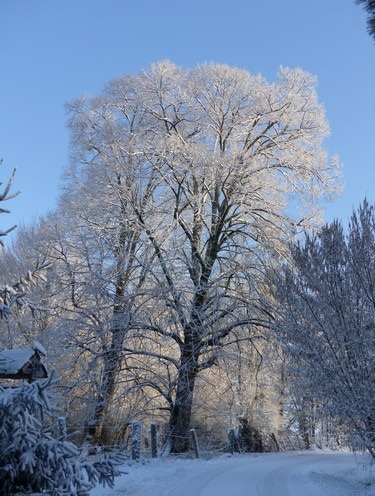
237, 445
232, 440
136, 440
62, 430
154, 449
195, 443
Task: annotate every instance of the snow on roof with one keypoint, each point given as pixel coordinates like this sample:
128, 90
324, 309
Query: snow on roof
11, 361
38, 346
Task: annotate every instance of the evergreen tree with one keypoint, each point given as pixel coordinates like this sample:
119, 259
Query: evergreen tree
32, 459
369, 6
325, 320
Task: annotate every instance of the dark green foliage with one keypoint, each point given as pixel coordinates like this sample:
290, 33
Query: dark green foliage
250, 437
369, 6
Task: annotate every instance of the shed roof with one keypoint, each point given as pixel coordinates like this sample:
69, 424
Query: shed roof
11, 361
21, 364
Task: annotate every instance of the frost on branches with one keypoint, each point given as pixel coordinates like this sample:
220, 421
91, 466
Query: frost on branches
185, 179
326, 320
32, 459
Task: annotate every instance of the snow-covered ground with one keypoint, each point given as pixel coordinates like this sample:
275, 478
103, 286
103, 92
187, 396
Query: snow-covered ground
314, 473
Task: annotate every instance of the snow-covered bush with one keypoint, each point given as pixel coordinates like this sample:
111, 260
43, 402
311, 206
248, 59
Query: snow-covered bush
32, 459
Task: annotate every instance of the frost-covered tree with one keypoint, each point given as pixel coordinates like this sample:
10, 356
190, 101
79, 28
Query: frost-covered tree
99, 270
207, 172
31, 457
326, 322
245, 386
4, 196
13, 291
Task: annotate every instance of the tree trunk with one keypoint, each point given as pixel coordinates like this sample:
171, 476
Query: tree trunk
180, 417
112, 364
107, 389
112, 357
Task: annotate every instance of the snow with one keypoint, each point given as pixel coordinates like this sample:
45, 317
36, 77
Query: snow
39, 347
315, 473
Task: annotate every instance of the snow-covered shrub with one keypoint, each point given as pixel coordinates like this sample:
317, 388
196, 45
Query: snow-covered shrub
32, 459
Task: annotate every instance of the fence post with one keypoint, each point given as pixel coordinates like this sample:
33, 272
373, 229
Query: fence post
232, 440
136, 440
154, 450
62, 430
195, 443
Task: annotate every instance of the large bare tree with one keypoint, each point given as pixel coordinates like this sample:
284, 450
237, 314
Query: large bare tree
201, 175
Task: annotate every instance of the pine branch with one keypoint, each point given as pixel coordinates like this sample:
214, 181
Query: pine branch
369, 7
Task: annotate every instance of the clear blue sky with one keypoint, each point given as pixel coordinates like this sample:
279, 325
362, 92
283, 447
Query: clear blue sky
52, 51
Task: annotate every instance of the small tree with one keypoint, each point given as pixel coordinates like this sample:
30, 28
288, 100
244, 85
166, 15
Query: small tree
32, 460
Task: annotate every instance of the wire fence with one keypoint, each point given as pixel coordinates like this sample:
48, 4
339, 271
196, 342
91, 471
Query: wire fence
152, 440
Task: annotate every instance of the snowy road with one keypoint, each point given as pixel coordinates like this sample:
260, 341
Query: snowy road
276, 474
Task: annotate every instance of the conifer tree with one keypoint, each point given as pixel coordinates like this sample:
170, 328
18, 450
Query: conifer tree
369, 6
325, 320
32, 459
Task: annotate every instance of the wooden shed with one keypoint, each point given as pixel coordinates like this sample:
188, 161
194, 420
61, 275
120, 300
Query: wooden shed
23, 363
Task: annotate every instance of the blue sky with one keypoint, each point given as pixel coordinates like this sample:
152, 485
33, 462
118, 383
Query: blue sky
52, 51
